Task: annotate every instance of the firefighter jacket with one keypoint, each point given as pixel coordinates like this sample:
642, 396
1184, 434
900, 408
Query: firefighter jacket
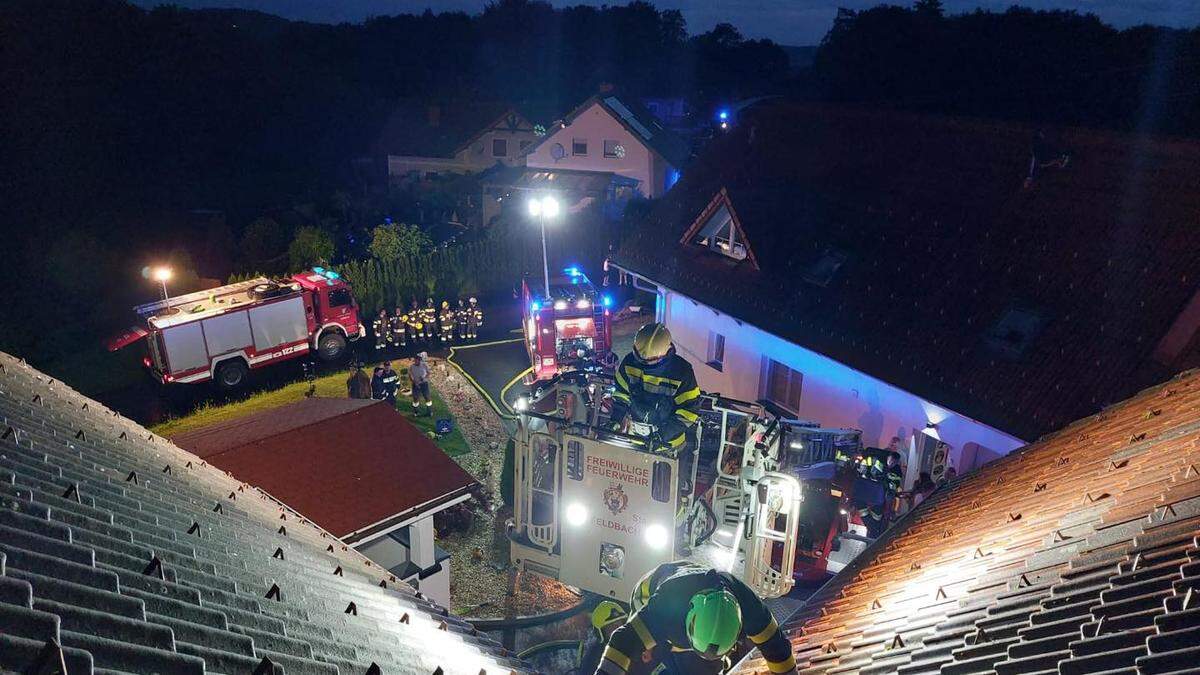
664, 394
662, 599
476, 316
380, 326
415, 319
447, 319
399, 322
429, 317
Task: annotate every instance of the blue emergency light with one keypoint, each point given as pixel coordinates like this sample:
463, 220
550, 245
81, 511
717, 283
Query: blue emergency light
572, 271
606, 300
723, 115
535, 306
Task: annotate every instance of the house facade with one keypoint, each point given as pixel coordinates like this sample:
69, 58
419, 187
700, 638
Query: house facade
612, 135
503, 140
887, 273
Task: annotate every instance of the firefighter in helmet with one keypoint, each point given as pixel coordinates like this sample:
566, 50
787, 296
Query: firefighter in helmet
690, 619
400, 327
416, 325
460, 320
446, 323
474, 319
380, 325
429, 318
656, 386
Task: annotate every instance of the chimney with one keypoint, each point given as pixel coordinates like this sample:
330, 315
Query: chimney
433, 115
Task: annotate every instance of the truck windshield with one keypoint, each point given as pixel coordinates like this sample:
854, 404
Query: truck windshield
340, 297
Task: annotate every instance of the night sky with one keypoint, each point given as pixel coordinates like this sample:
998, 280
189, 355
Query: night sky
789, 22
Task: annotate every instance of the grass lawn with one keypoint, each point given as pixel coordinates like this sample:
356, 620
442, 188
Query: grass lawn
330, 386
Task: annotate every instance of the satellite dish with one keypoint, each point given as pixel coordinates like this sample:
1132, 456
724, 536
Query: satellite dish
557, 151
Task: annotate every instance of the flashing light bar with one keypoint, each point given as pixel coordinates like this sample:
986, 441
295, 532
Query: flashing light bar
535, 306
606, 300
572, 271
328, 274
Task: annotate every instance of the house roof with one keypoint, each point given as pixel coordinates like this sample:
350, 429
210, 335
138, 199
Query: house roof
637, 120
442, 129
349, 465
1078, 554
136, 556
906, 247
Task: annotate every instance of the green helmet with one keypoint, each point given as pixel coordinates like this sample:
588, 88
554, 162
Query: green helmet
714, 623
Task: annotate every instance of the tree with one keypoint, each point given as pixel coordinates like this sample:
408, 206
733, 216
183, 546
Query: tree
311, 246
930, 7
263, 241
390, 241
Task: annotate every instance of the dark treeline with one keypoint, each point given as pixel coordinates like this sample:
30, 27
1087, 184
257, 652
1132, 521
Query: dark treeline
1051, 67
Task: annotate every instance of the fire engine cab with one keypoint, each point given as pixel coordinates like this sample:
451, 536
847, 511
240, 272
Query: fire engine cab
757, 494
572, 325
221, 333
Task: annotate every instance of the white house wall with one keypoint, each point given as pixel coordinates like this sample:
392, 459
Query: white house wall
597, 126
832, 394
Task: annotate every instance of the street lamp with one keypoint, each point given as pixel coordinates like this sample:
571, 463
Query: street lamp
542, 209
162, 274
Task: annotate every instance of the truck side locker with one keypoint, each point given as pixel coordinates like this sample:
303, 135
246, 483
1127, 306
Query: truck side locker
539, 475
771, 546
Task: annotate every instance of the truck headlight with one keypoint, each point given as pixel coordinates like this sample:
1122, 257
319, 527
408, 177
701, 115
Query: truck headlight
576, 514
657, 536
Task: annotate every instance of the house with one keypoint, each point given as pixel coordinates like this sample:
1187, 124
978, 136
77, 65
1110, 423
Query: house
357, 468
121, 552
1077, 554
889, 272
611, 134
421, 141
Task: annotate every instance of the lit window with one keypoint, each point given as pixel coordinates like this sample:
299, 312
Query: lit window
720, 234
499, 147
579, 146
716, 350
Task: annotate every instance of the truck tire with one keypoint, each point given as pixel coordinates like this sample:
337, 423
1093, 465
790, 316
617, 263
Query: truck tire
331, 346
231, 374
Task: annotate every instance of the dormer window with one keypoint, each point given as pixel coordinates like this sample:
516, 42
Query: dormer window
717, 230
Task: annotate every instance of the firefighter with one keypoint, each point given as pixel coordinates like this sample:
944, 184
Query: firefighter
416, 326
380, 326
474, 319
656, 386
390, 381
429, 318
446, 323
689, 619
400, 327
461, 316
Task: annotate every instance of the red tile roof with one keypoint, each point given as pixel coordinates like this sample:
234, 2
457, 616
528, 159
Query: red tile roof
1077, 554
941, 243
346, 464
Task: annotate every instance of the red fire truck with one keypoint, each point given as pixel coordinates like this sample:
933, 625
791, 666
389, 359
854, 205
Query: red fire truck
221, 333
571, 326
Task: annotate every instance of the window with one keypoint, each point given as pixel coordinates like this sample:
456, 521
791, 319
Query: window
524, 145
499, 147
613, 149
574, 460
783, 385
340, 297
660, 481
716, 350
720, 234
579, 146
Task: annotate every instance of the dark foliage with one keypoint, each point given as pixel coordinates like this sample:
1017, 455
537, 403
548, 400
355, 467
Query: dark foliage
1055, 67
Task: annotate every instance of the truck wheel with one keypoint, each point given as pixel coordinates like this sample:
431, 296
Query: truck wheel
331, 346
232, 374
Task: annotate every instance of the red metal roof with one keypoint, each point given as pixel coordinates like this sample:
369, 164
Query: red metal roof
347, 464
1078, 554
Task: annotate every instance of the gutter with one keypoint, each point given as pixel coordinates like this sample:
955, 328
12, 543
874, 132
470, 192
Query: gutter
407, 517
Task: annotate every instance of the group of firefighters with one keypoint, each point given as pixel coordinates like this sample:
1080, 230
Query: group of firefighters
428, 325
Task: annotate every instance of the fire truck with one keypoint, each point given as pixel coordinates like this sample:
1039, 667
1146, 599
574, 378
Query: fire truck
222, 333
570, 327
767, 498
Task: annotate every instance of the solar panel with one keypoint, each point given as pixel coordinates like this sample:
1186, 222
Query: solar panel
627, 115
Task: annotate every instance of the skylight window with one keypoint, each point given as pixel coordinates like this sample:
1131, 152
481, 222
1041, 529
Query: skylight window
822, 270
1015, 332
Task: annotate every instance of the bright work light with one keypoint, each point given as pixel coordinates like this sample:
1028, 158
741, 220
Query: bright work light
576, 514
657, 536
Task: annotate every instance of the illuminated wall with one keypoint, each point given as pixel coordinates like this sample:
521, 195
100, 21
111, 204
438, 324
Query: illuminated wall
833, 394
